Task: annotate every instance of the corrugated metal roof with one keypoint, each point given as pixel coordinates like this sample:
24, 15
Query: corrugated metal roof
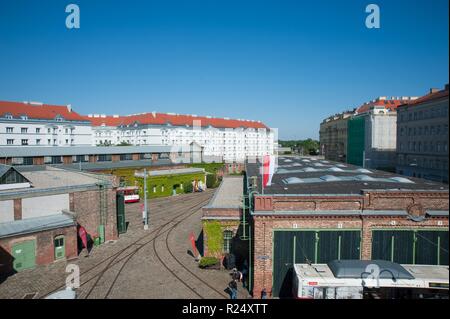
4, 169
33, 225
24, 151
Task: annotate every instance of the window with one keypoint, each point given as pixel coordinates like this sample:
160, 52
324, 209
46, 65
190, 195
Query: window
38, 130
49, 130
8, 116
67, 141
25, 142
38, 141
24, 117
66, 131
9, 142
23, 130
227, 238
49, 141
9, 129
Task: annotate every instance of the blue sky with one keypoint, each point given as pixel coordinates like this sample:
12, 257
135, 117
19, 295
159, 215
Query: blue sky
286, 63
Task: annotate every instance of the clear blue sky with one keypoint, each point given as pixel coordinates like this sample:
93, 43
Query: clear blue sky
286, 63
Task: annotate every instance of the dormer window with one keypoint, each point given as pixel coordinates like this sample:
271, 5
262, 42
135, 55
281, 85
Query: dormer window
24, 117
59, 118
8, 116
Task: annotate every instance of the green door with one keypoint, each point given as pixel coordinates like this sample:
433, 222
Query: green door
393, 245
283, 255
432, 248
121, 223
338, 245
60, 247
24, 255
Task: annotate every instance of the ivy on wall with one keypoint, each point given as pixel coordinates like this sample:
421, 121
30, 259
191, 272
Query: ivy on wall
214, 237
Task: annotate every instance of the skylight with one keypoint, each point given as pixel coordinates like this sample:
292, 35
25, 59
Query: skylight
330, 178
293, 180
335, 169
401, 180
365, 178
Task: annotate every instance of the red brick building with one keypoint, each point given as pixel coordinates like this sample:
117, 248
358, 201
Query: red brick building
40, 211
317, 211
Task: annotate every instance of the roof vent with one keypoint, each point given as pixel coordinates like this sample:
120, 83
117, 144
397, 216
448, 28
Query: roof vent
330, 178
35, 103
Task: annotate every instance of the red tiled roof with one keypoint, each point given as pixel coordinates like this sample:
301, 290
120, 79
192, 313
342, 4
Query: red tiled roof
388, 104
429, 97
35, 111
175, 120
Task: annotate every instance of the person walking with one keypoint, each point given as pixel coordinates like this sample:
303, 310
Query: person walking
233, 289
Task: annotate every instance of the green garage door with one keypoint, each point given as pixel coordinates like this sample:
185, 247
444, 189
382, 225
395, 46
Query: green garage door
24, 255
393, 245
314, 246
411, 247
338, 245
432, 247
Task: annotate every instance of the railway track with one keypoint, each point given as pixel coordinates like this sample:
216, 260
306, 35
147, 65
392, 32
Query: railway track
114, 258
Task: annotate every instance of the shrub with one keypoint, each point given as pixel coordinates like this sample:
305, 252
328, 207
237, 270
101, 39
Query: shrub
208, 262
187, 187
211, 181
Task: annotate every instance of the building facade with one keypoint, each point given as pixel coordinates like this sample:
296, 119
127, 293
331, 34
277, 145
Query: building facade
333, 137
316, 211
422, 137
224, 139
372, 138
37, 124
34, 234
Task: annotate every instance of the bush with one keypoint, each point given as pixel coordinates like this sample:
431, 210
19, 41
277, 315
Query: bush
211, 181
187, 187
206, 262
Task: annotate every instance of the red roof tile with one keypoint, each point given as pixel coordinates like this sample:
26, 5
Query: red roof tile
388, 104
175, 120
429, 97
35, 111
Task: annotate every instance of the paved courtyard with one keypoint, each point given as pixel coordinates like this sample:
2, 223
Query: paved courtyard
153, 263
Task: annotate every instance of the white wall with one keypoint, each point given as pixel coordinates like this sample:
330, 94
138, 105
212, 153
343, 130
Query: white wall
44, 205
6, 211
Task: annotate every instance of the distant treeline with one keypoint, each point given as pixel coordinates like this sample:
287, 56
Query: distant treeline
308, 146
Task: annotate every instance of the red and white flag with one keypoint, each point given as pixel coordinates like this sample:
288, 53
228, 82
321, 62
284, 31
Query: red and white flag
268, 169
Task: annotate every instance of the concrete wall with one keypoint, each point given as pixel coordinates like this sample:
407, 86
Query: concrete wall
44, 205
6, 211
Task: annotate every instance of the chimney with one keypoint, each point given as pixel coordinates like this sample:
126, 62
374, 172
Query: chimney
433, 90
69, 107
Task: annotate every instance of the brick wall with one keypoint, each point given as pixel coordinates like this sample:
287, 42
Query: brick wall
44, 247
264, 226
86, 205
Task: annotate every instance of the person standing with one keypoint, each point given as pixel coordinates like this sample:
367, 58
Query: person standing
233, 289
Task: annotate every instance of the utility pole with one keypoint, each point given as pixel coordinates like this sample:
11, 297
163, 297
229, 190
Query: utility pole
145, 200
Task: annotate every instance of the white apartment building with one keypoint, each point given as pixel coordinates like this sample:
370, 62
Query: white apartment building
222, 139
38, 124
